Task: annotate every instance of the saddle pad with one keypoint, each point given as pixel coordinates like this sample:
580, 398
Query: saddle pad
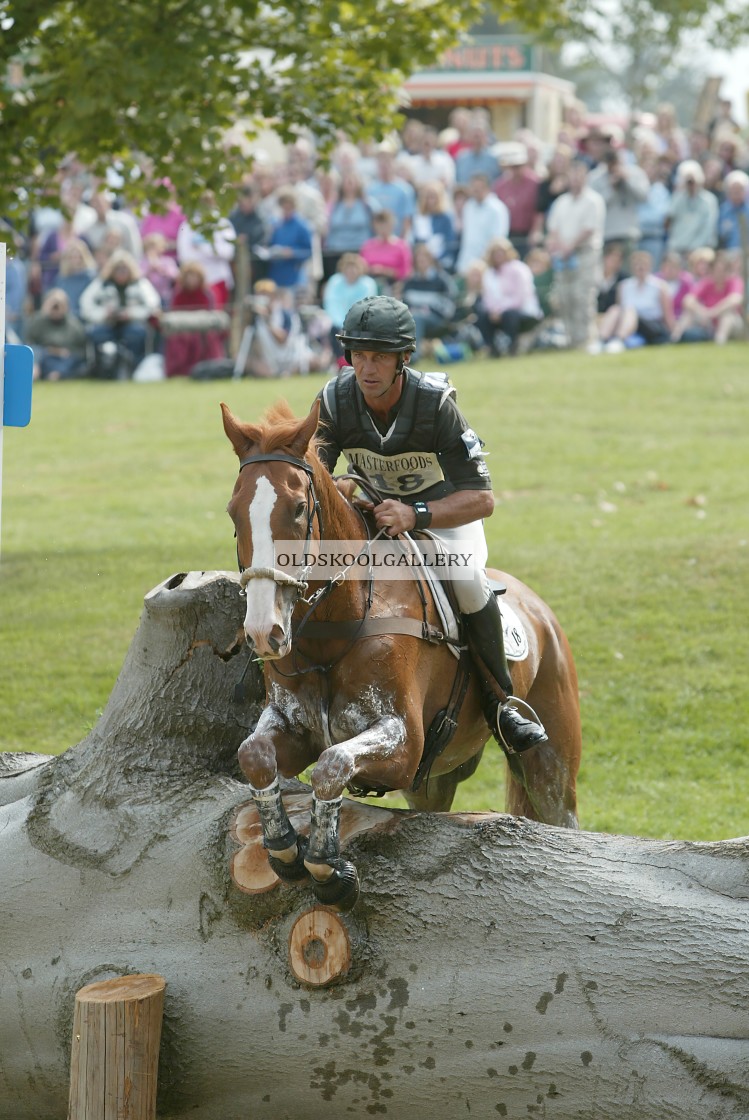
516, 639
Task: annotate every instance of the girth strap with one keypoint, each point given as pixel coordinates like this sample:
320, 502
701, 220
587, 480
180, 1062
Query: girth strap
349, 628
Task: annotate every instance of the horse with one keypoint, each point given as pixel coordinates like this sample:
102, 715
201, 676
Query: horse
356, 701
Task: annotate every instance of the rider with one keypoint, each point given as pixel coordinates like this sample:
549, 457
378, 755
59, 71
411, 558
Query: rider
378, 408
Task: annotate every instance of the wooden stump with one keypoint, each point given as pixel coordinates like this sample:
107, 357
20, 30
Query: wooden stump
115, 1056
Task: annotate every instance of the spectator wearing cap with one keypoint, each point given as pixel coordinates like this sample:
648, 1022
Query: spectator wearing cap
595, 144
734, 211
388, 191
484, 218
478, 159
623, 187
575, 239
517, 187
693, 217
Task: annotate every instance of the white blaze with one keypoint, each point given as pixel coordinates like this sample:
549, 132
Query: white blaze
261, 615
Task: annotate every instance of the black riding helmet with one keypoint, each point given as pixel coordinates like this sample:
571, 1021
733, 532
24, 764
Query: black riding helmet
379, 323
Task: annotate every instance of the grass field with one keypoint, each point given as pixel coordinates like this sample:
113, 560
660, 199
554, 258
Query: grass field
622, 484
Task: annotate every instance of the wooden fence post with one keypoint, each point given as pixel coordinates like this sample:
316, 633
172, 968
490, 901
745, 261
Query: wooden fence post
115, 1054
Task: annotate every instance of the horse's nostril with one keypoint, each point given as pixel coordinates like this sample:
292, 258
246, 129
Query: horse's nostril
275, 638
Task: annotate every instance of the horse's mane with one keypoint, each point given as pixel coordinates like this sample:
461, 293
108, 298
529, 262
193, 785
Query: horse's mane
277, 429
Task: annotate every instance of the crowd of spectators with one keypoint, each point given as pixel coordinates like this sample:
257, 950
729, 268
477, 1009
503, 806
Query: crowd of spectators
603, 241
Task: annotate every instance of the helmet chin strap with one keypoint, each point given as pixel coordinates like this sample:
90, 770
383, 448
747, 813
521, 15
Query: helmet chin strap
400, 366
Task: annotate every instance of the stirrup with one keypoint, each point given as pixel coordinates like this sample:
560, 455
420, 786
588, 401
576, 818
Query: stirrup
524, 733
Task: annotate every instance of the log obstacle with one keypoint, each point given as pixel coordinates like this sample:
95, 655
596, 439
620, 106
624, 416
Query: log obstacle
115, 1054
492, 966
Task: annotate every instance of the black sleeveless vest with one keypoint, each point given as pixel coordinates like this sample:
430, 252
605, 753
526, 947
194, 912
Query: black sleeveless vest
404, 461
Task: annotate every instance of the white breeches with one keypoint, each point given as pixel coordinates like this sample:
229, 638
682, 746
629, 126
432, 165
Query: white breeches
471, 590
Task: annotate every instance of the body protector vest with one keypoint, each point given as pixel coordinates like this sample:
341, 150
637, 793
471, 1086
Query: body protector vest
404, 462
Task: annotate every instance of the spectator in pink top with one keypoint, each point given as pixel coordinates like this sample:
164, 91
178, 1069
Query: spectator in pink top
168, 223
713, 309
388, 257
509, 303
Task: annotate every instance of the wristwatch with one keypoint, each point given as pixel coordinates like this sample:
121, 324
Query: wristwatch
423, 515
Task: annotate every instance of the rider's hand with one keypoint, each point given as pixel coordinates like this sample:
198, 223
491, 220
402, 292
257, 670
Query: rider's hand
395, 517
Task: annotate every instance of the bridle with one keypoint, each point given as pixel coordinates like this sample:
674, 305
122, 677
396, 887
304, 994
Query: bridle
313, 511
301, 584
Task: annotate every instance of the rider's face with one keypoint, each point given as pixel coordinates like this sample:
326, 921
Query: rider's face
375, 372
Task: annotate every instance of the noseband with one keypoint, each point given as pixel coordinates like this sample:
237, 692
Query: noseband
313, 510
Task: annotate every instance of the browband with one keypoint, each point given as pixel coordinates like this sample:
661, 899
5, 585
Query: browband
277, 457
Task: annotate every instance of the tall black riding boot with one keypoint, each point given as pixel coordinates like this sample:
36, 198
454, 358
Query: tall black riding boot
505, 721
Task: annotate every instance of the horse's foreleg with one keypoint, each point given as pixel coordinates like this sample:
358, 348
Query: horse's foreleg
376, 754
258, 756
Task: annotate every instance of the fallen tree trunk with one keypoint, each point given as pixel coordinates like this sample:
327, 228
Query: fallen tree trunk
492, 966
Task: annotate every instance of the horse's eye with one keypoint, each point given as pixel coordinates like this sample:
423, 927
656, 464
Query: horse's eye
300, 511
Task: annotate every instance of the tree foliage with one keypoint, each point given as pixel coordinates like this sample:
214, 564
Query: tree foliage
166, 79
158, 83
637, 59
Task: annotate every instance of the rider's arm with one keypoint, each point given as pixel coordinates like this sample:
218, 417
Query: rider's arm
327, 447
460, 508
449, 512
462, 460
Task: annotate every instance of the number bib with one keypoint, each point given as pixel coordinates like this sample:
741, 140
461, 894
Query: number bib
399, 475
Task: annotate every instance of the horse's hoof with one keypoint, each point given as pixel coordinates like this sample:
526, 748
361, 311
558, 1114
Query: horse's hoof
291, 872
341, 890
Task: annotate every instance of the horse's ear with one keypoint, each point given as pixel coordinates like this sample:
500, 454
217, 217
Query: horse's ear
233, 428
301, 441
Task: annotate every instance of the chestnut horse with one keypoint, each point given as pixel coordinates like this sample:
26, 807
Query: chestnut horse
358, 708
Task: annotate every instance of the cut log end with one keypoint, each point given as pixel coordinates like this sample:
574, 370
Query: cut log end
122, 988
319, 948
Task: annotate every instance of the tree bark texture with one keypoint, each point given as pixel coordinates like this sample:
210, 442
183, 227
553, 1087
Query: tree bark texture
492, 966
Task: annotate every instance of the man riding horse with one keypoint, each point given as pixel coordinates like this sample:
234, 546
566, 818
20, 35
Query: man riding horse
377, 412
